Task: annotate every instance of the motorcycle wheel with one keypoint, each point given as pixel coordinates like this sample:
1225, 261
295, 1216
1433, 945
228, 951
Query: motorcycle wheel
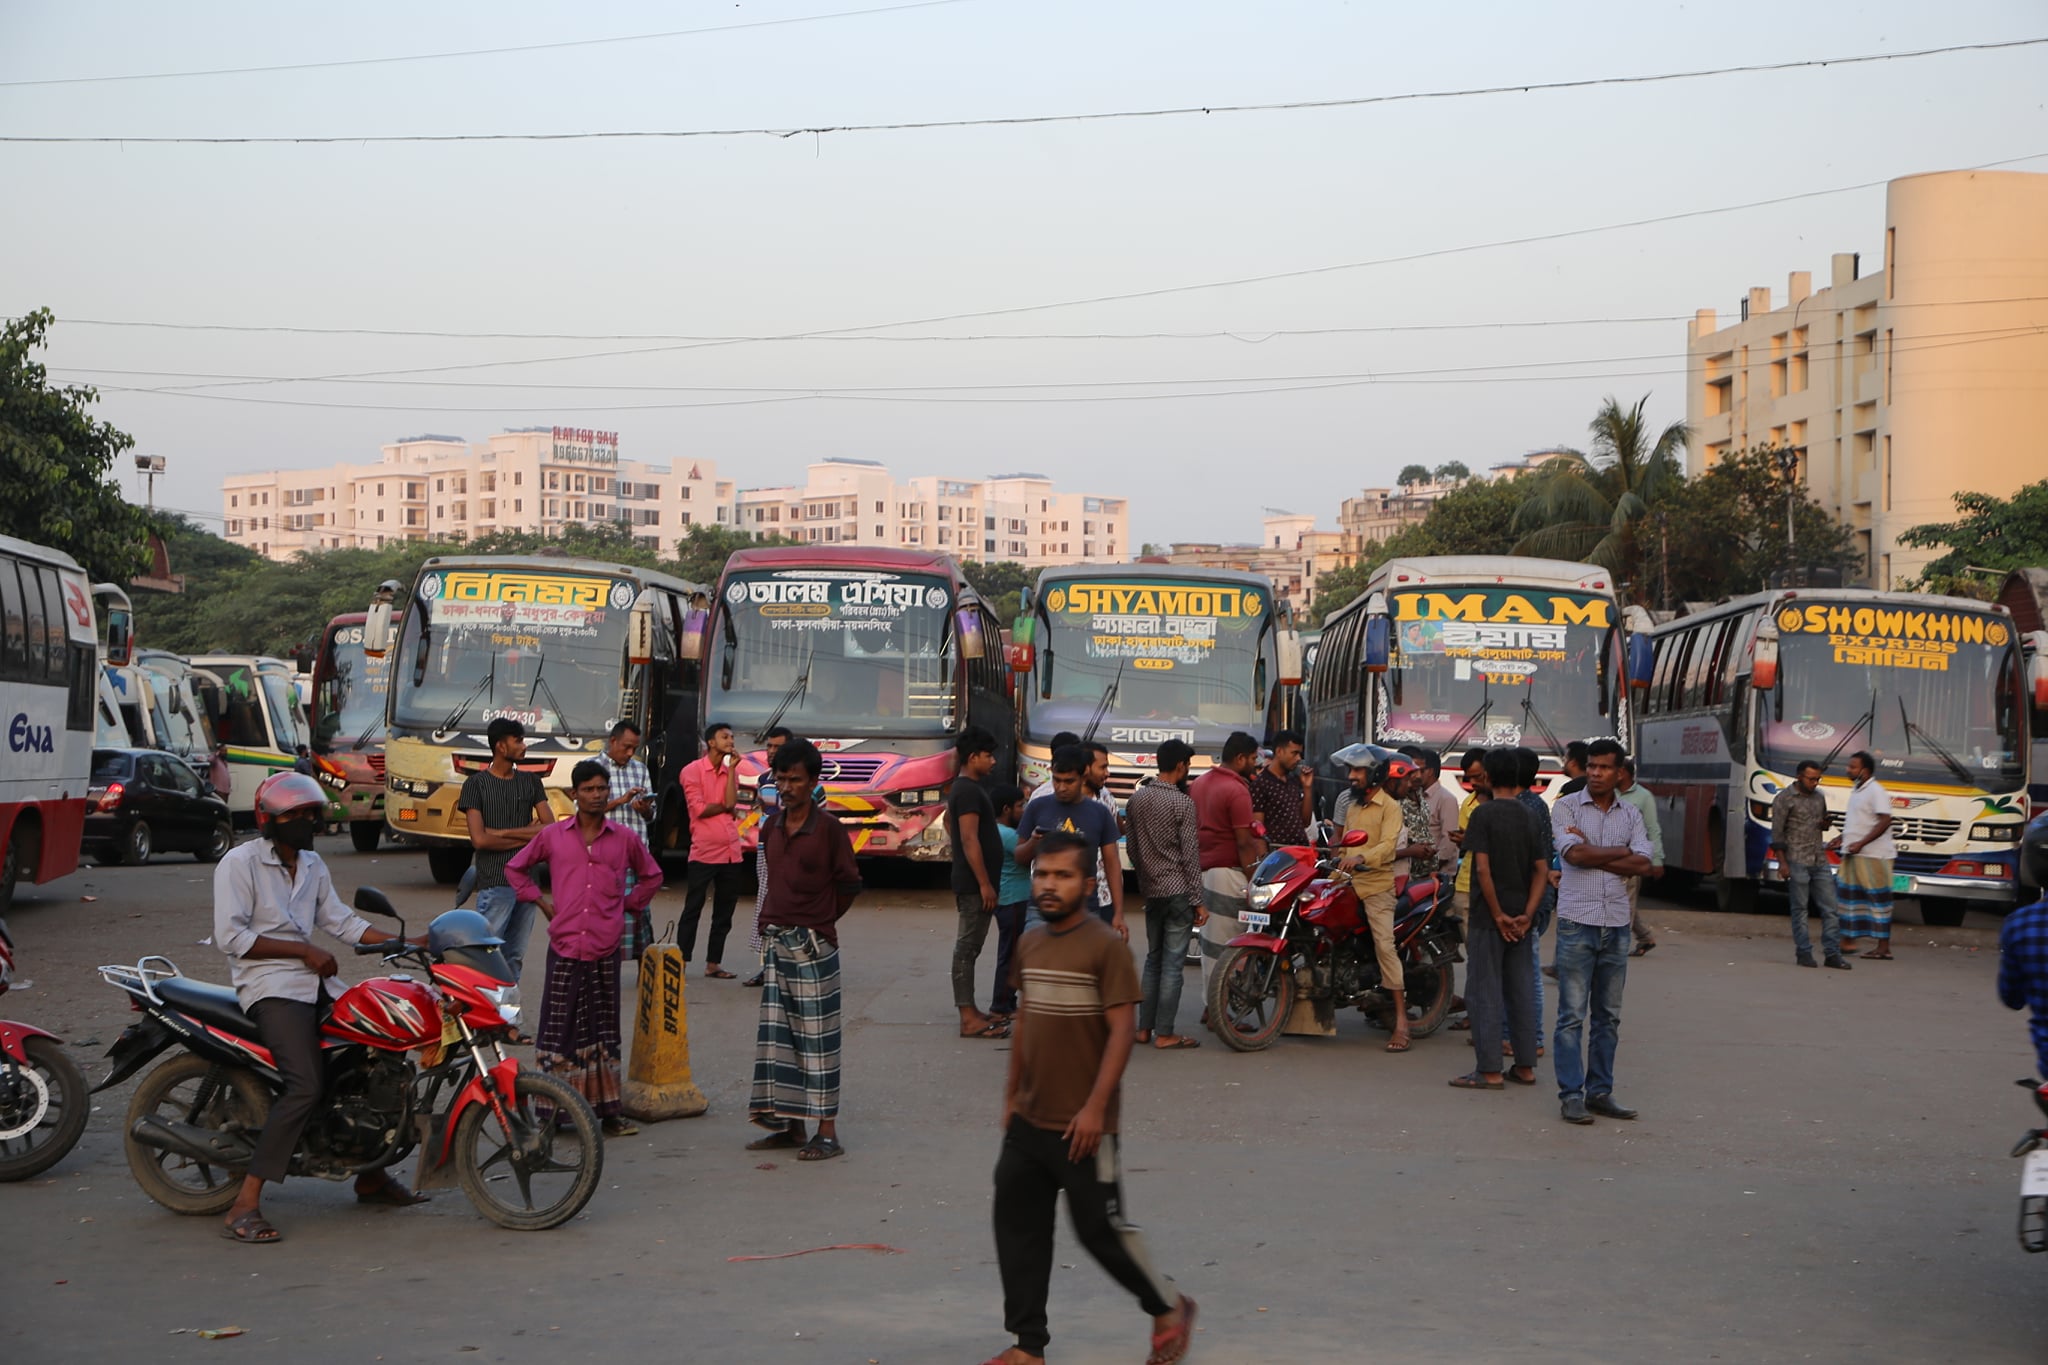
172, 1092
42, 1109
1430, 1016
543, 1174
1250, 995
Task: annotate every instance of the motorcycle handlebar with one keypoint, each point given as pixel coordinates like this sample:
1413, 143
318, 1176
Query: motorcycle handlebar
382, 946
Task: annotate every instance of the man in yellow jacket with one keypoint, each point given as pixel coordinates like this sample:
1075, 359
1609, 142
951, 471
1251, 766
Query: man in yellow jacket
1377, 811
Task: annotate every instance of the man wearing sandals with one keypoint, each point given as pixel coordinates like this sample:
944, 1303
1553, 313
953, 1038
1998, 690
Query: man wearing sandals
1075, 1030
1867, 852
1503, 843
977, 864
812, 880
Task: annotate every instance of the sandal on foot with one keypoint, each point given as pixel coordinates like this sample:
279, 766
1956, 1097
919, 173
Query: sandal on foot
1400, 1045
989, 1030
1460, 1025
1472, 1080
1178, 1041
1510, 1075
394, 1193
1171, 1345
756, 981
1143, 1035
820, 1149
775, 1142
619, 1127
251, 1228
718, 974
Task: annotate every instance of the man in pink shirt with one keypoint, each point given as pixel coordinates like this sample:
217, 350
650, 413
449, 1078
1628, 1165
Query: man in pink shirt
588, 859
711, 791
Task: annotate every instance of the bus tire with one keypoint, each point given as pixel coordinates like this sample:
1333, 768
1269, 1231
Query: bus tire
1735, 895
1943, 912
447, 862
364, 834
11, 860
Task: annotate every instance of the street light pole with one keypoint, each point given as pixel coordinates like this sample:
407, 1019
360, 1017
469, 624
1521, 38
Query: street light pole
1788, 468
150, 466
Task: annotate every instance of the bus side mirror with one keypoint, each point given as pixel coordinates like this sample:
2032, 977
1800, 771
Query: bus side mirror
690, 645
967, 627
1763, 661
640, 631
1379, 634
1642, 661
377, 627
120, 637
1288, 646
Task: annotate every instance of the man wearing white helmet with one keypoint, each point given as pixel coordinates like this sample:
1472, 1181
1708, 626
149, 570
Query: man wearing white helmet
269, 895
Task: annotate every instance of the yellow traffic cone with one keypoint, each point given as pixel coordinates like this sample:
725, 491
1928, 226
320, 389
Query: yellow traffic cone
658, 1084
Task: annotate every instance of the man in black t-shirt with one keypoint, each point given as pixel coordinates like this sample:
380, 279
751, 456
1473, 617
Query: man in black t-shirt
977, 864
505, 808
1509, 877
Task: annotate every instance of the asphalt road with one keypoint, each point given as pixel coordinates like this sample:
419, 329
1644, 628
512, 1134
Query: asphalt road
1820, 1174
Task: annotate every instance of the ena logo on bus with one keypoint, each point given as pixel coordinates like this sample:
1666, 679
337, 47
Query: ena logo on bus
24, 736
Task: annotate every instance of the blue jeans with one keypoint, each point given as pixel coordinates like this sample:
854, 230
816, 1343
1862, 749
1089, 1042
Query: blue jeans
1592, 966
510, 919
1169, 924
1815, 881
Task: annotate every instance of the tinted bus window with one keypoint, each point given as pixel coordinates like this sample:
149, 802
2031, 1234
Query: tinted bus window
14, 641
32, 600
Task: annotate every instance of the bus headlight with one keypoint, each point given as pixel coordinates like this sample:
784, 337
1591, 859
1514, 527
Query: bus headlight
916, 796
1996, 834
1760, 812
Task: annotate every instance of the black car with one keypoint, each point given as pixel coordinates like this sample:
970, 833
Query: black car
144, 801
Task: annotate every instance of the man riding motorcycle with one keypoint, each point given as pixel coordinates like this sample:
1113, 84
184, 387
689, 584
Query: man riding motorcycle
269, 895
1374, 807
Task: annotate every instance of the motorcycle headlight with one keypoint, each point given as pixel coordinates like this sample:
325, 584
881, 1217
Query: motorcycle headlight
1260, 897
505, 999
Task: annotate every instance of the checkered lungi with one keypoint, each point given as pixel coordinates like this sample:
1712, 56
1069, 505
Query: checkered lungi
1865, 890
755, 940
578, 1041
796, 1051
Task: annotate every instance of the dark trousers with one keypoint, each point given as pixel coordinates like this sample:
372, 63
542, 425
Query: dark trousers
723, 881
1030, 1174
291, 1030
1500, 992
1009, 928
967, 941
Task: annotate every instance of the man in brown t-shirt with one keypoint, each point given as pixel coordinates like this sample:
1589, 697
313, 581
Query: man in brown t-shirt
1076, 1022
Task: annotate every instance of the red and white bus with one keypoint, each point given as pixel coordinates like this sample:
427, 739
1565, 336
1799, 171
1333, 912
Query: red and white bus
49, 686
346, 717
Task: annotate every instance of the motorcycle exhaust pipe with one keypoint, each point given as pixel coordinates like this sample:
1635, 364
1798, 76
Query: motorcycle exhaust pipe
188, 1140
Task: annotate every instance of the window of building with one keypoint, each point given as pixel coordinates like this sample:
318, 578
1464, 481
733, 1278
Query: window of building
686, 495
878, 533
686, 518
440, 485
234, 501
518, 478
988, 546
518, 504
380, 514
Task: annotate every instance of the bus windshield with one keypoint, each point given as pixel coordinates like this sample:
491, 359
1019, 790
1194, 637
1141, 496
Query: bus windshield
544, 647
833, 652
248, 691
351, 698
1943, 710
1157, 658
1497, 666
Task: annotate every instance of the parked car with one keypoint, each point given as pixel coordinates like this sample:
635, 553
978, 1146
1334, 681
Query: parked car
145, 801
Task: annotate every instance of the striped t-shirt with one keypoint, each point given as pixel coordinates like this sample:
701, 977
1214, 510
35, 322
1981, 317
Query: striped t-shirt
1066, 980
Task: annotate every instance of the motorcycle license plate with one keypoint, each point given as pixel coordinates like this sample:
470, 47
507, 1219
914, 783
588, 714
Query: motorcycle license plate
2034, 1174
1254, 919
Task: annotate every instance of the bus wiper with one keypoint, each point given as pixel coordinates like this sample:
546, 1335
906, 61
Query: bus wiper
540, 685
1479, 714
1529, 712
1109, 695
798, 690
1949, 760
1868, 719
460, 713
364, 737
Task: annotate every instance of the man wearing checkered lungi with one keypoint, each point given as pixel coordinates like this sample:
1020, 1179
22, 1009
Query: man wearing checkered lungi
1864, 880
764, 798
812, 881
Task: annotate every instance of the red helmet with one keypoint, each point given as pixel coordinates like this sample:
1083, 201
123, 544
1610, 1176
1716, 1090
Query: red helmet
282, 793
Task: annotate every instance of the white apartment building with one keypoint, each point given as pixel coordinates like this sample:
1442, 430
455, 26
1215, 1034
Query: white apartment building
535, 479
1898, 388
1019, 517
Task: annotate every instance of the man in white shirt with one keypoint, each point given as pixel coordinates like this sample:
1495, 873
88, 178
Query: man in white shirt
1865, 877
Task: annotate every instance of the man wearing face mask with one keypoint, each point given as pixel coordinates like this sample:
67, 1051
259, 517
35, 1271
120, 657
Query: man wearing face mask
269, 895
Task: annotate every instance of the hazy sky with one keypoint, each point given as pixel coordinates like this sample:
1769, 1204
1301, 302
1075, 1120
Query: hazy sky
766, 237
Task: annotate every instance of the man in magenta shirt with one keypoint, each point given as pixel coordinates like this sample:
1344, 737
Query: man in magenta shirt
588, 859
1225, 838
711, 791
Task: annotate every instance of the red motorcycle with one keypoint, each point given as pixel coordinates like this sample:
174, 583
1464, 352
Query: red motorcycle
43, 1099
525, 1146
1309, 940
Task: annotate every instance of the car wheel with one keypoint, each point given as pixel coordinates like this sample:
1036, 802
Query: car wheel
135, 844
217, 844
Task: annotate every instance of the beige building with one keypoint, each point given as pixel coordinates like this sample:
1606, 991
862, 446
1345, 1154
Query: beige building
1899, 387
443, 488
1019, 517
1291, 552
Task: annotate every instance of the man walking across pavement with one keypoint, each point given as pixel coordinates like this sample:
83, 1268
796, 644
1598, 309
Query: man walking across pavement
711, 791
591, 861
1867, 853
1374, 810
629, 806
1229, 848
1799, 820
977, 847
812, 882
1061, 1112
1166, 851
1503, 846
1603, 842
1283, 791
504, 808
1071, 809
1646, 806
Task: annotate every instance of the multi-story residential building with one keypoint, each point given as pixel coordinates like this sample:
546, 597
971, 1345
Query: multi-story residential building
1019, 517
1291, 552
443, 488
1895, 389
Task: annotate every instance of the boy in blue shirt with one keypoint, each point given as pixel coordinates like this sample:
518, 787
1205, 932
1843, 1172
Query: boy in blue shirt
1013, 895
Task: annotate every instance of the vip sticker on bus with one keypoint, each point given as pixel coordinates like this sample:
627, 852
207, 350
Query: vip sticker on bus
1157, 665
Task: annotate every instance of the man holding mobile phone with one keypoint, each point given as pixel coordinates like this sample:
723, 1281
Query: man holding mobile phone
630, 807
711, 790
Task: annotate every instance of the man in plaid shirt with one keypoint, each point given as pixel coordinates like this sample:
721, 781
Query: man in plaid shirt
630, 807
2023, 951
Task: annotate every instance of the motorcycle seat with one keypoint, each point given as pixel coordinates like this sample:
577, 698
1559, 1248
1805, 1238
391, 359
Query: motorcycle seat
208, 1003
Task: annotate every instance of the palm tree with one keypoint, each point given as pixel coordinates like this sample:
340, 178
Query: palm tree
1589, 507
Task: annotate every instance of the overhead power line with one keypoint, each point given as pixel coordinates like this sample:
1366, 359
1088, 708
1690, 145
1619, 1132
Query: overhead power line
481, 51
1032, 120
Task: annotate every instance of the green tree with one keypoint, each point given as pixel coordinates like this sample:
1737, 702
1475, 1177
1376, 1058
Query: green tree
1988, 533
1723, 534
55, 459
1591, 508
1452, 469
701, 553
1475, 519
1001, 584
1414, 473
1336, 587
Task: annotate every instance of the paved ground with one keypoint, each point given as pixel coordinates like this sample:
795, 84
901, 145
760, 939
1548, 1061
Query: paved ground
1820, 1174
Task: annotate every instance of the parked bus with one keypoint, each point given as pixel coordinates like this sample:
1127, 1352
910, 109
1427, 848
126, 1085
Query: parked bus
568, 647
159, 699
1457, 651
880, 658
2025, 594
1135, 655
346, 719
49, 685
1741, 693
252, 702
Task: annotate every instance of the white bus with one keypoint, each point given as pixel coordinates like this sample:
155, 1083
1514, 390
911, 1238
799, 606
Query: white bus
49, 687
1743, 692
1455, 652
252, 702
159, 699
